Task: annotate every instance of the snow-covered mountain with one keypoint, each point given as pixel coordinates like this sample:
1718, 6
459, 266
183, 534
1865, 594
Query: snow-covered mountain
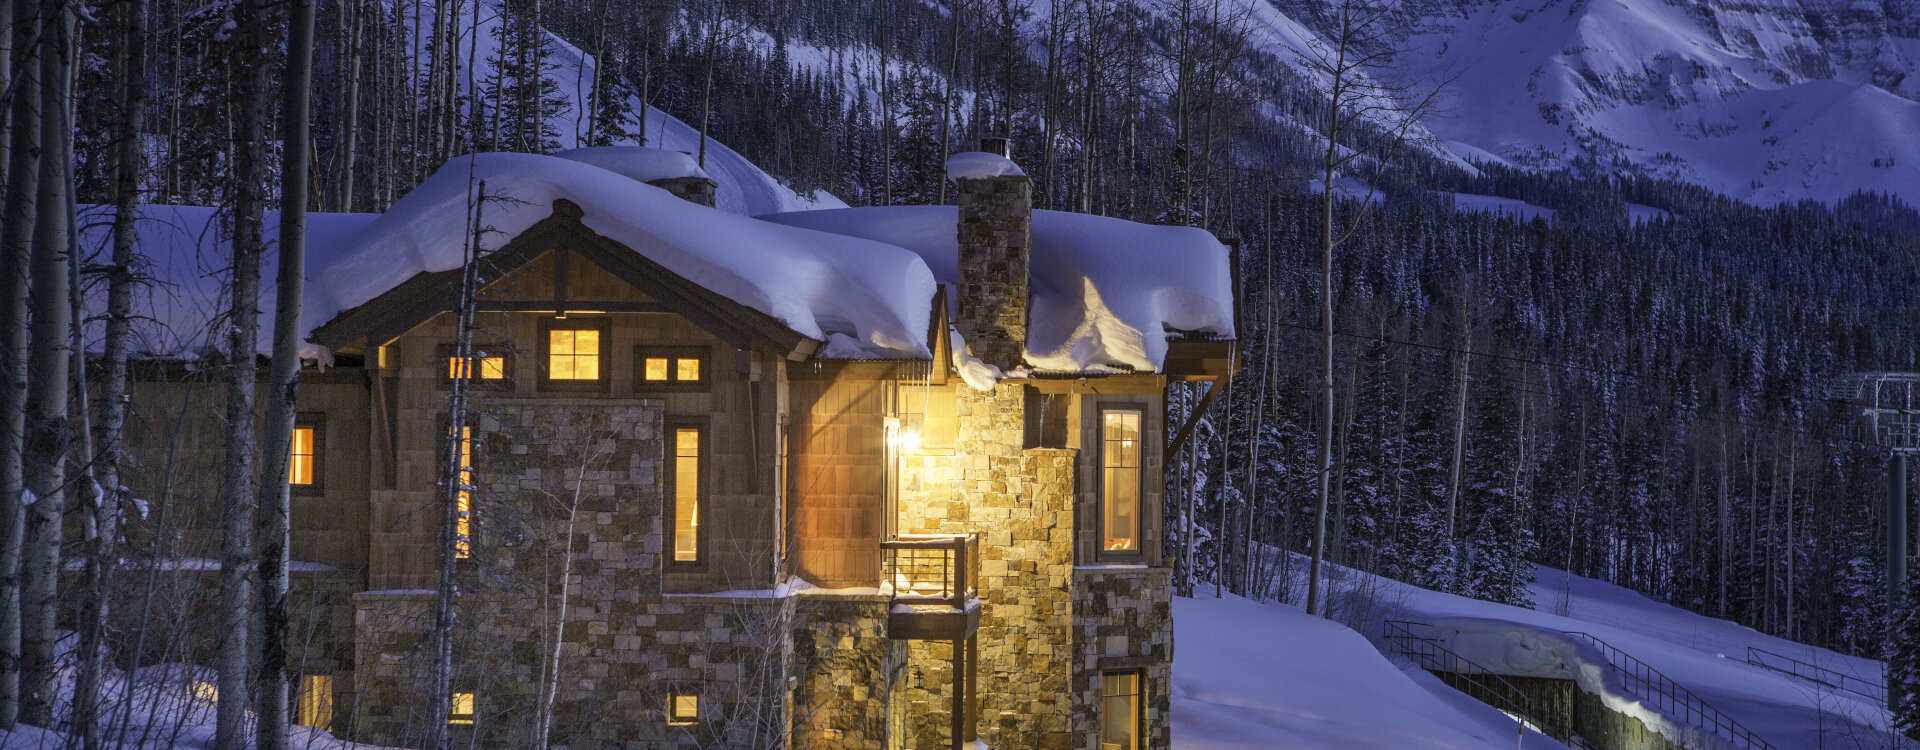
1763, 100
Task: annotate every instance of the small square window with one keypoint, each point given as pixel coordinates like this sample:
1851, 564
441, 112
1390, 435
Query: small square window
672, 368
490, 368
460, 710
683, 709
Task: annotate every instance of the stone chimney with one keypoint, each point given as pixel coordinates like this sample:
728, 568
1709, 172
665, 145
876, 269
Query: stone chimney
996, 241
691, 189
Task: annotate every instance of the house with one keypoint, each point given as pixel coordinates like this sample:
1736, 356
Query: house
860, 478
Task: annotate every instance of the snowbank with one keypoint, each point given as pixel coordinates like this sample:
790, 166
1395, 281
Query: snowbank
975, 165
1105, 291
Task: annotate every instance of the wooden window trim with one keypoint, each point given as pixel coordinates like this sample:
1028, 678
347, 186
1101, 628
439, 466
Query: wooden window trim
318, 422
671, 517
1100, 551
444, 356
576, 323
701, 353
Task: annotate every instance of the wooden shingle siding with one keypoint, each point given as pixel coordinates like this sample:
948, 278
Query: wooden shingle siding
838, 492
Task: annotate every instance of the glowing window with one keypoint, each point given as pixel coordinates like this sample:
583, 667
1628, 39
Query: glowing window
677, 366
683, 709
1120, 480
1122, 716
460, 709
463, 501
490, 368
301, 464
573, 354
314, 706
686, 494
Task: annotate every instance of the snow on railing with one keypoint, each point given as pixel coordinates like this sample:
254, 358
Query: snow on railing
1477, 681
1670, 698
1815, 673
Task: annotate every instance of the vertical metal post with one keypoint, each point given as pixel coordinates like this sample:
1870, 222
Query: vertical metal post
1896, 559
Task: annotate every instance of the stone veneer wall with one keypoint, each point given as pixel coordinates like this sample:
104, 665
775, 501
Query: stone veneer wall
845, 664
1123, 620
625, 644
996, 240
1021, 503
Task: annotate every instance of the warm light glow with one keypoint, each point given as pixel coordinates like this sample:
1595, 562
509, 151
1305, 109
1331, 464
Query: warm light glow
1120, 480
686, 369
314, 707
910, 440
573, 354
1120, 711
461, 710
300, 463
463, 502
683, 709
686, 494
203, 690
491, 368
656, 368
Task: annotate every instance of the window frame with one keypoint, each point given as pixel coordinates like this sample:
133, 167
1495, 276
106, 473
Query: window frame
466, 444
317, 422
1139, 702
473, 709
600, 323
677, 719
702, 491
642, 352
444, 355
1138, 554
314, 699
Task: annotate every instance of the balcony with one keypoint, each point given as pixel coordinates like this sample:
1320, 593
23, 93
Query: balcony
934, 585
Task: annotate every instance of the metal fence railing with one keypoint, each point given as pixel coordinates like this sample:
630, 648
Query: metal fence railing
1412, 640
1670, 698
1815, 673
933, 568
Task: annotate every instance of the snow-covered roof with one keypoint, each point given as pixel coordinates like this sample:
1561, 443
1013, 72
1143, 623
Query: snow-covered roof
974, 165
1105, 291
813, 282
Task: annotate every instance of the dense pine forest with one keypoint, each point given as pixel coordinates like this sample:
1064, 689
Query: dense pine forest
1636, 384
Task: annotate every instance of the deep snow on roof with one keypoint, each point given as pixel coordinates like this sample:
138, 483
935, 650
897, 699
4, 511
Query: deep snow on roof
637, 162
1105, 291
815, 283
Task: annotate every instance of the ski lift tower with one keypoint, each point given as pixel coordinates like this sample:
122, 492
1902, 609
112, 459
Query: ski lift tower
1889, 404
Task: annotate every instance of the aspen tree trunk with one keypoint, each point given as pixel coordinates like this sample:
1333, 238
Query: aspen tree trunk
440, 677
347, 125
270, 686
16, 247
130, 100
48, 429
706, 83
6, 113
93, 506
946, 101
239, 556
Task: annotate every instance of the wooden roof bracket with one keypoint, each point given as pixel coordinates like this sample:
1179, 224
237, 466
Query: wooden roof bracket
1193, 420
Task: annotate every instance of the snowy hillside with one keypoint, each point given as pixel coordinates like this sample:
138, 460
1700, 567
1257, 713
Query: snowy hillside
1251, 675
1768, 101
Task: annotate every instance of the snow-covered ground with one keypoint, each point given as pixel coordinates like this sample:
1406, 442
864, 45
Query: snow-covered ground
1256, 675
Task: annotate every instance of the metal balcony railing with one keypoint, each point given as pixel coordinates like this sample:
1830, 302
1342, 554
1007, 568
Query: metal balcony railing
1668, 697
1409, 639
1817, 674
938, 569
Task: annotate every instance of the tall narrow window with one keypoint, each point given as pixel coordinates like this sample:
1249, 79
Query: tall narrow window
303, 461
686, 494
463, 500
1120, 480
460, 710
314, 708
1122, 711
897, 714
